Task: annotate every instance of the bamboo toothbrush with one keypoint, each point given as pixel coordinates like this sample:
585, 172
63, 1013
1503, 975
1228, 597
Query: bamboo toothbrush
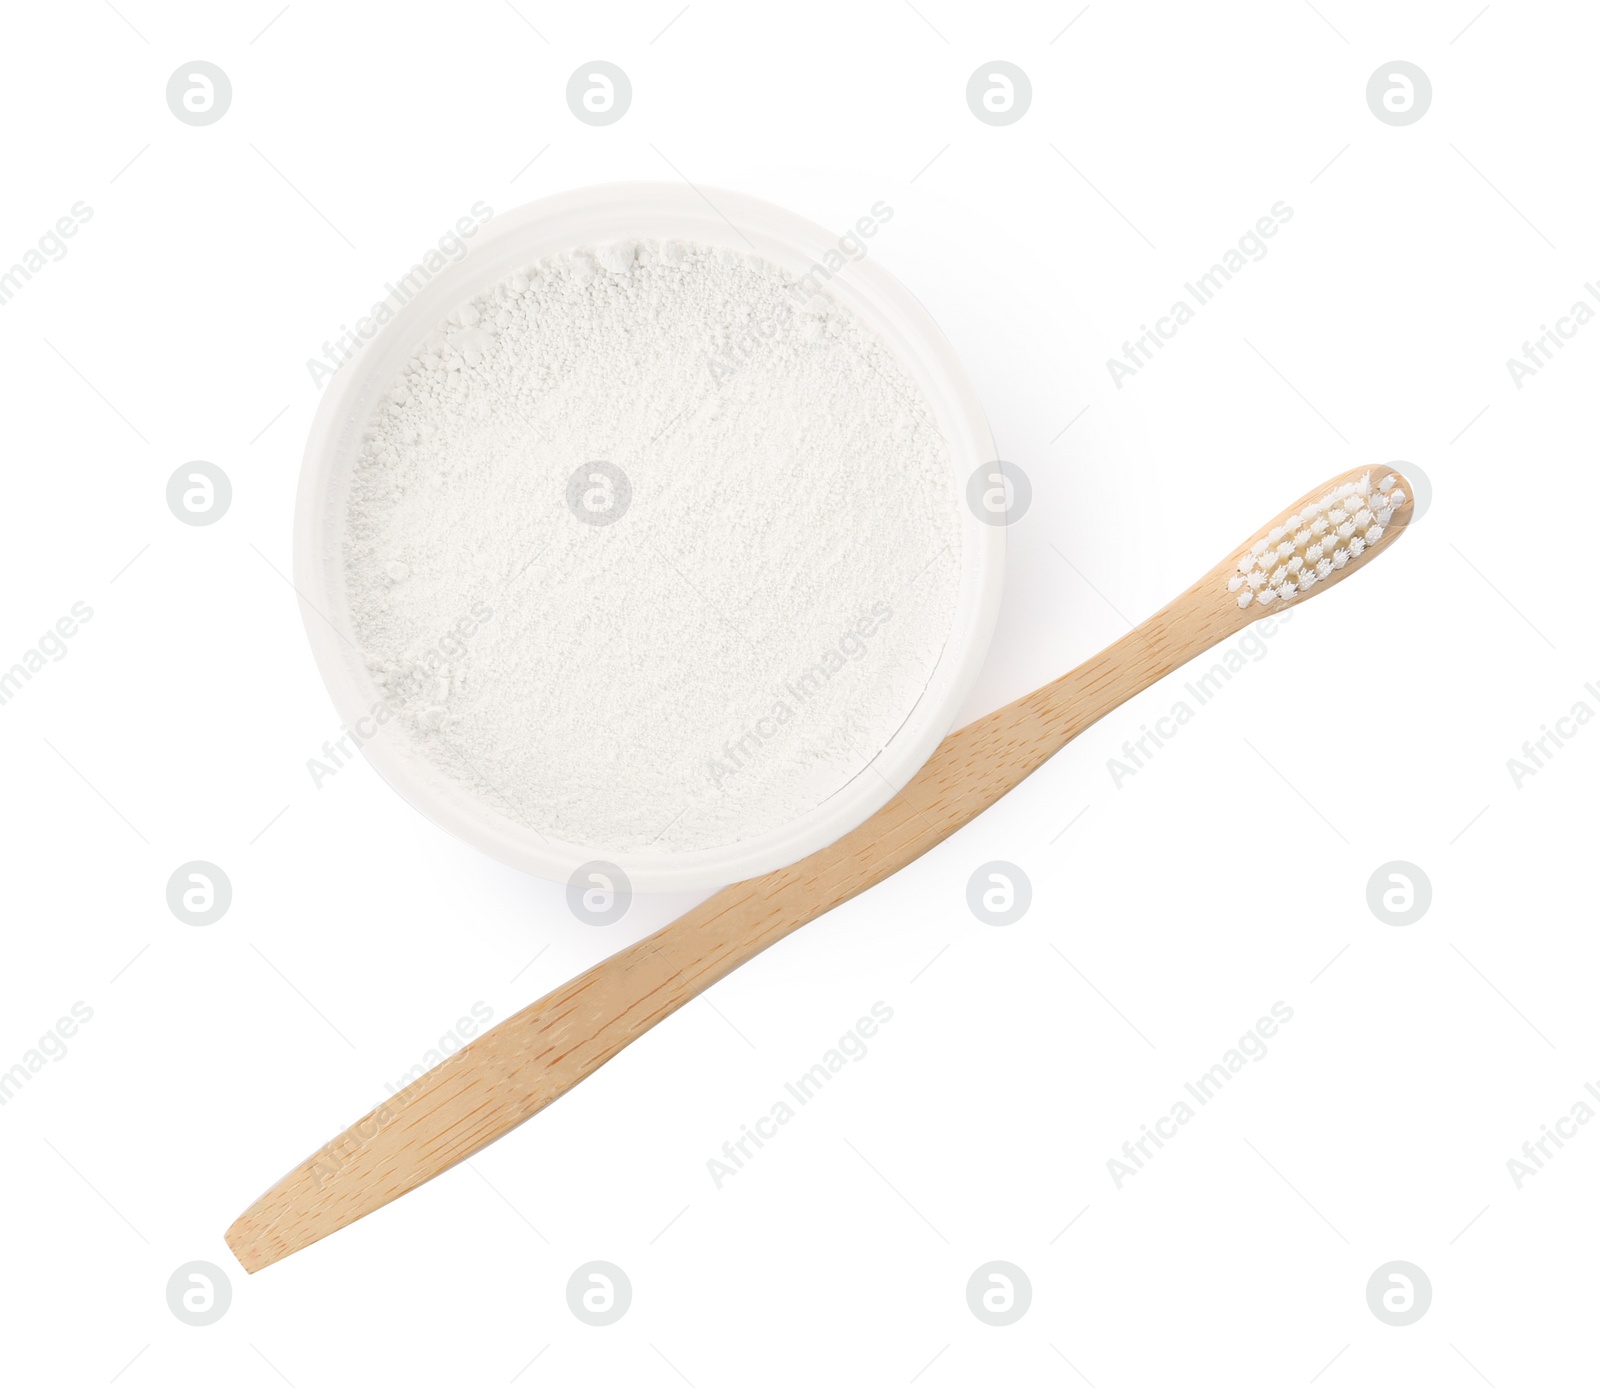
505, 1076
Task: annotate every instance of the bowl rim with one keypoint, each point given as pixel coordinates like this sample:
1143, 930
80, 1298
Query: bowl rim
526, 234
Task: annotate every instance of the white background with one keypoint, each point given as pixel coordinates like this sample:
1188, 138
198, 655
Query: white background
1228, 874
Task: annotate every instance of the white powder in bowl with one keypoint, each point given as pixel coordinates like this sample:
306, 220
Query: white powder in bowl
651, 547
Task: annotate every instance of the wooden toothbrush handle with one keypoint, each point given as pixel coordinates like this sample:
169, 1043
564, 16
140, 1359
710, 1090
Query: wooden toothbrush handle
505, 1076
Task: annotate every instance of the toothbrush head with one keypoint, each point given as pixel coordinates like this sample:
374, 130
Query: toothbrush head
1321, 540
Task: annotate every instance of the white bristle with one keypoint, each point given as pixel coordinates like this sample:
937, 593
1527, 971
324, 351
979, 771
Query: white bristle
1314, 542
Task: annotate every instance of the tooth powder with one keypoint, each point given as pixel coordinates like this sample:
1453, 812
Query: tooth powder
652, 546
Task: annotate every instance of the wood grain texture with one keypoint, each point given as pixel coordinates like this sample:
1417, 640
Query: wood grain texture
505, 1076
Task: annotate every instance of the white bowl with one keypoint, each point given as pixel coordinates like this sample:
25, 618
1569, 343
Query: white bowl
550, 227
